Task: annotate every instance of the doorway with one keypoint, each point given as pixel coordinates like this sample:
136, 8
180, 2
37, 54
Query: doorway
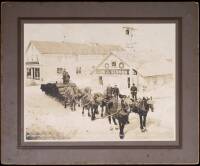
101, 80
129, 82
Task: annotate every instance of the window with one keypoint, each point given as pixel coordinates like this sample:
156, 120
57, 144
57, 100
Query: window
127, 31
129, 82
28, 72
37, 73
113, 64
106, 65
100, 80
121, 65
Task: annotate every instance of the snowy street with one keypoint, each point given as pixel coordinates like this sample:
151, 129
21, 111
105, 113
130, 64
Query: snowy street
47, 119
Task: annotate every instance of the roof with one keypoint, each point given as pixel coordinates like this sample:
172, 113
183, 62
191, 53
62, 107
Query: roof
144, 66
160, 67
50, 47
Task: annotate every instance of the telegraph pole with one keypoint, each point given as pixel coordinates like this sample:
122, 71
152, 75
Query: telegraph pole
129, 31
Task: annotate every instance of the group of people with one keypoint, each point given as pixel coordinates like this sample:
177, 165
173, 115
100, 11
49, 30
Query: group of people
109, 91
114, 91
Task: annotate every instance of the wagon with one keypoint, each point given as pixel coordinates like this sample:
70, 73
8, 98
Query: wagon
58, 90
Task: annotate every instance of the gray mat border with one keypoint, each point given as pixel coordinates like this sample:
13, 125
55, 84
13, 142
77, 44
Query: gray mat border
184, 151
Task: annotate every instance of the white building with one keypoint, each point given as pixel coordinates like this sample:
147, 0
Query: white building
45, 61
157, 73
95, 65
114, 69
124, 69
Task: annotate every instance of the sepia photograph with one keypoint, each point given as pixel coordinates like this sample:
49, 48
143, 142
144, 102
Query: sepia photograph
99, 82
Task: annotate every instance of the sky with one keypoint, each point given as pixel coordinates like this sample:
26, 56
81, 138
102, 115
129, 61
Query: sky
158, 38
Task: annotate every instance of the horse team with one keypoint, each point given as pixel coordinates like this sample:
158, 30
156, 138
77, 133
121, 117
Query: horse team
114, 107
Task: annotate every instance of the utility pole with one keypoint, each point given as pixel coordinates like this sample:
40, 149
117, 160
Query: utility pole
129, 31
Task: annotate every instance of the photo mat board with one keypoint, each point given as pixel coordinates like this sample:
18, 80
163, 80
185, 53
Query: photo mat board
15, 150
126, 48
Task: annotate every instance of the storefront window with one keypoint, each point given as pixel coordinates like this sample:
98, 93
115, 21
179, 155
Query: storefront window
28, 72
37, 73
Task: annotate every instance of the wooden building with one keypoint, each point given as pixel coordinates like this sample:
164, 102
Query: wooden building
45, 61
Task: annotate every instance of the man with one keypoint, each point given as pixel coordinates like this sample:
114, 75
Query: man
116, 91
134, 91
66, 77
109, 91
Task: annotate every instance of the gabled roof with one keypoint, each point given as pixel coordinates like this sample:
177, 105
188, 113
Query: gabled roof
143, 65
50, 47
122, 59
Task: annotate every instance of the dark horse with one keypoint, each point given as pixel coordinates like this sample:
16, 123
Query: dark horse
118, 110
142, 108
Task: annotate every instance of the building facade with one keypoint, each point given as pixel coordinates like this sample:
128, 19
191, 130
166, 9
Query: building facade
94, 65
45, 61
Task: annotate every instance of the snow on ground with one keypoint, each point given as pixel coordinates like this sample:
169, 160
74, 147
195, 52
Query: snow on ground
47, 119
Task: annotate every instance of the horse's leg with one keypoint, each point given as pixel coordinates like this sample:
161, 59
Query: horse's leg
109, 119
74, 105
65, 103
93, 113
78, 101
122, 132
113, 118
121, 128
102, 111
127, 119
141, 123
83, 110
96, 109
144, 121
89, 111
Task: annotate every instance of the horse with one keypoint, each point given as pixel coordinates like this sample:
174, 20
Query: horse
102, 102
70, 97
118, 110
86, 103
142, 107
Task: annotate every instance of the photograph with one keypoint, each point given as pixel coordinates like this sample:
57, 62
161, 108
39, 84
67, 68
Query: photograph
99, 82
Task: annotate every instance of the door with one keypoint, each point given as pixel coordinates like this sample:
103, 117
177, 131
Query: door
129, 82
101, 80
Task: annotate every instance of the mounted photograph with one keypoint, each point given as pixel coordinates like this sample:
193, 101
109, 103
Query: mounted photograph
99, 82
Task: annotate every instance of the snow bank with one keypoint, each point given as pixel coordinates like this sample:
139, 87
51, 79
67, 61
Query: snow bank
47, 119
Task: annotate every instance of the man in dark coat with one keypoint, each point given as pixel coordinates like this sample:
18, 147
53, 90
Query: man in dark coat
66, 77
116, 91
109, 91
134, 91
